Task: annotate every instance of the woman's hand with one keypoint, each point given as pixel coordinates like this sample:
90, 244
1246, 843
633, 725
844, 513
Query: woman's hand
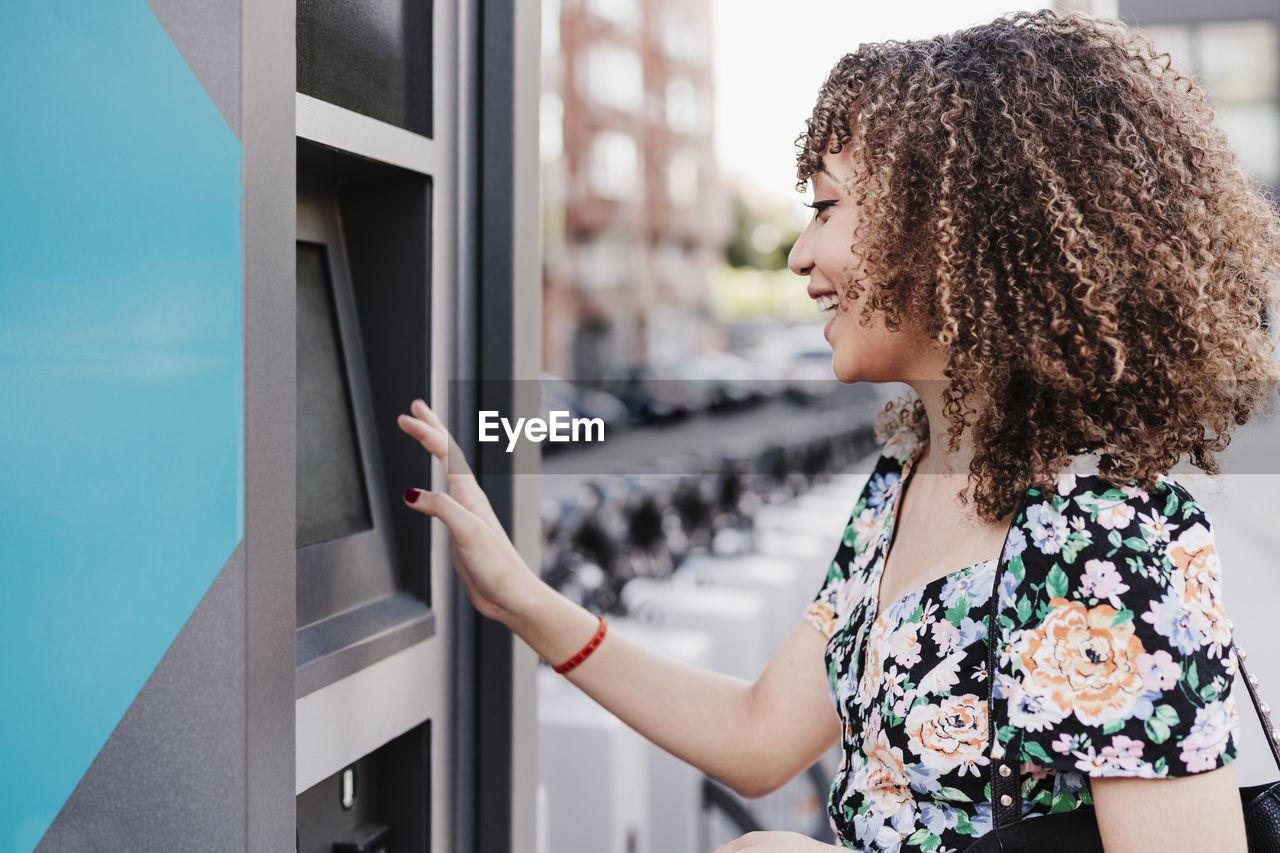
491, 570
776, 842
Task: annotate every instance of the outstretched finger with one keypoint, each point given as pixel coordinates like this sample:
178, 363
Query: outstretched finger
462, 483
442, 446
424, 412
432, 439
456, 462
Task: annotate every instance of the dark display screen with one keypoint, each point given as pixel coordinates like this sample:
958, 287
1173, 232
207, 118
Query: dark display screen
369, 56
332, 499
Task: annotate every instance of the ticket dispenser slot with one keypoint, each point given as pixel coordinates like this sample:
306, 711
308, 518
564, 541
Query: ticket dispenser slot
362, 318
363, 808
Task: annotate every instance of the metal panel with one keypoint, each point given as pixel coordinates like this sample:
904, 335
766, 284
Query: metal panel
345, 130
269, 297
334, 648
348, 719
120, 315
526, 365
208, 34
171, 776
450, 190
460, 313
494, 335
506, 348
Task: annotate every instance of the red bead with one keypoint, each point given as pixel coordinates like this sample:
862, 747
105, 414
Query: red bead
586, 650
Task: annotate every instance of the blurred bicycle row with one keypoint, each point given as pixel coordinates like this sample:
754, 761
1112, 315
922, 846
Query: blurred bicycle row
708, 555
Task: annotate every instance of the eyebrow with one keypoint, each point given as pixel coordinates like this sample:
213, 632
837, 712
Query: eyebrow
823, 171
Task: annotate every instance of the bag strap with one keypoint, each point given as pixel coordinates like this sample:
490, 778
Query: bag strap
1269, 730
1006, 778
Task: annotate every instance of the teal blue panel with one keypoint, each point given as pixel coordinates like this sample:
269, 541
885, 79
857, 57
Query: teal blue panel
121, 488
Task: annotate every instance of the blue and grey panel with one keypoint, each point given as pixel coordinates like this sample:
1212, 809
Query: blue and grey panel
121, 419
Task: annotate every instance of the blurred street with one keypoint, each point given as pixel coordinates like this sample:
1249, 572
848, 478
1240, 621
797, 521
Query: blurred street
675, 448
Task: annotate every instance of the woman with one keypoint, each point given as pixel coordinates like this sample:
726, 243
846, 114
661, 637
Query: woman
1035, 225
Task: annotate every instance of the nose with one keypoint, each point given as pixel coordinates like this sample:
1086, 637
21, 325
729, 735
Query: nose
800, 258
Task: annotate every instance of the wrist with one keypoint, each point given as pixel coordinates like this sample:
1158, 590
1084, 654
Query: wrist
523, 597
585, 652
552, 625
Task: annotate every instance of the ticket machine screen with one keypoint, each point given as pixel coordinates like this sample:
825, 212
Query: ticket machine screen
332, 498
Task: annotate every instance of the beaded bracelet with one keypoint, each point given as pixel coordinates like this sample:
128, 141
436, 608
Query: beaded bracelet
586, 650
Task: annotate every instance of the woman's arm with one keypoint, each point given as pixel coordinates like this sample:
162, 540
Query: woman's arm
1183, 815
751, 737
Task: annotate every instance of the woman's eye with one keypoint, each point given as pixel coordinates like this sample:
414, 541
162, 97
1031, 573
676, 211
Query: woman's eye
821, 207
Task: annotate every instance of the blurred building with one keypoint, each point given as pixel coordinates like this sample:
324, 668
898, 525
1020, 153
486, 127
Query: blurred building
634, 214
1232, 48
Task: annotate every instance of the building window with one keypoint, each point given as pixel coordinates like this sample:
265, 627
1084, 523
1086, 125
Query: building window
601, 262
550, 127
682, 179
613, 166
550, 28
613, 76
623, 14
681, 39
671, 261
682, 105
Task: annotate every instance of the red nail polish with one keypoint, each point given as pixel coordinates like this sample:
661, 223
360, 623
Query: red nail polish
411, 495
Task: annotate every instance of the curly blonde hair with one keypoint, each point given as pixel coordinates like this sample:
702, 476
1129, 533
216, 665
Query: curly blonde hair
1050, 200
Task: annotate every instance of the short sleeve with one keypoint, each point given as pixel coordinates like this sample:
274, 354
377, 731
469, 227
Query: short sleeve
1123, 664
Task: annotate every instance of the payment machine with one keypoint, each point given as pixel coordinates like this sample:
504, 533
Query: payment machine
242, 235
363, 582
387, 297
369, 661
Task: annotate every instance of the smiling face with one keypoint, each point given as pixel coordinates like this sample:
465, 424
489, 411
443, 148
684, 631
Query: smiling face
863, 350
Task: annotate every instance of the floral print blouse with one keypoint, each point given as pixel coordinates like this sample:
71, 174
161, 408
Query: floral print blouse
1114, 658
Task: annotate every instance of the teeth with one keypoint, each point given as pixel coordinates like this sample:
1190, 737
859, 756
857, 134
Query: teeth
827, 301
